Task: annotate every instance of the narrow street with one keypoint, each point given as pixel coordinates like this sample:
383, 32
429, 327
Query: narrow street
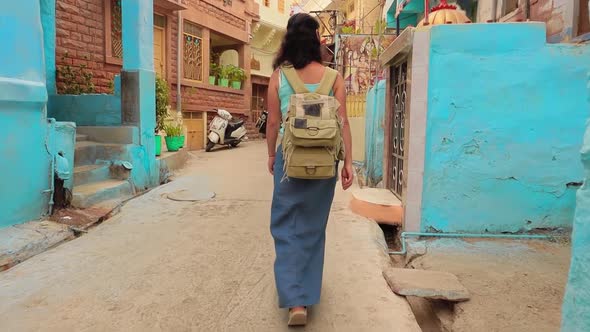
165, 265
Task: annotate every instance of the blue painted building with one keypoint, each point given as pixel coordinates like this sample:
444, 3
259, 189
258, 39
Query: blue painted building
41, 155
482, 127
576, 303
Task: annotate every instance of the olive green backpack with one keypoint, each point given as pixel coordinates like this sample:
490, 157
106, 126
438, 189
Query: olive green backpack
312, 139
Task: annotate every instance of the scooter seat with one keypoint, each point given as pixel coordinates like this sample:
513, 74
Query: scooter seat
234, 124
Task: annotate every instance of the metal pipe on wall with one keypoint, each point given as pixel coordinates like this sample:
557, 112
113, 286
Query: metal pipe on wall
178, 63
467, 235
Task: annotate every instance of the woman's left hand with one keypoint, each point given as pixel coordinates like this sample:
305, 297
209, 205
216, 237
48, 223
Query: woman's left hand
347, 176
271, 165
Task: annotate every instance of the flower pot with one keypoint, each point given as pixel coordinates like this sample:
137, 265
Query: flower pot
224, 82
236, 85
173, 143
158, 145
212, 80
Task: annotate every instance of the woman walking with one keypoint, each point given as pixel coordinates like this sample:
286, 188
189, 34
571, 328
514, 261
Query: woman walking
300, 207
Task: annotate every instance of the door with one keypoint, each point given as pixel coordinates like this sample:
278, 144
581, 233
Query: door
398, 110
195, 126
258, 100
160, 45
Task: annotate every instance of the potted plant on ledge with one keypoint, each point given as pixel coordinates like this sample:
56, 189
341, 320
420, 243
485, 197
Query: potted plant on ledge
237, 76
224, 76
213, 72
162, 99
174, 139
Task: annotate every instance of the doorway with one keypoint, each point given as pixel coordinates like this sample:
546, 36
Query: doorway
160, 45
195, 127
583, 18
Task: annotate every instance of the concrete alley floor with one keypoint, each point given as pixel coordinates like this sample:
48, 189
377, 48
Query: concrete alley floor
165, 265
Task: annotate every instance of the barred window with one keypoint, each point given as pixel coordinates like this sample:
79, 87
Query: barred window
281, 6
193, 52
116, 29
113, 24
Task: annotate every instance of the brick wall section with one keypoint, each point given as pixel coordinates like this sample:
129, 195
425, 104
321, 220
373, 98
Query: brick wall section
197, 99
173, 62
218, 13
80, 33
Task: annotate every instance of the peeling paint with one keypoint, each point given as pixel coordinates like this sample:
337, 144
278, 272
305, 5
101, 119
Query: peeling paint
505, 113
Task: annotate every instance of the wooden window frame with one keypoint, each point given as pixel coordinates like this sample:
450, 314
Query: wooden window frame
191, 81
266, 3
108, 42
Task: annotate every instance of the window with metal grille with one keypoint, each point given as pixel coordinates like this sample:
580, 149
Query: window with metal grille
193, 52
116, 29
281, 5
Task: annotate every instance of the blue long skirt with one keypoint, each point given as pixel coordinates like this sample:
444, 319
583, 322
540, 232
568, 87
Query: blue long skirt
299, 215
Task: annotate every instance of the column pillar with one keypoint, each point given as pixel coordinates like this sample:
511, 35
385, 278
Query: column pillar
138, 85
245, 56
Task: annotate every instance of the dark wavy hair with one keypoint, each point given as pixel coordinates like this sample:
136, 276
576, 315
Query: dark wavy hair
301, 45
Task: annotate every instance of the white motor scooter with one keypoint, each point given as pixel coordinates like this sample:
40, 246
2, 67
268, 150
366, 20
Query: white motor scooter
224, 131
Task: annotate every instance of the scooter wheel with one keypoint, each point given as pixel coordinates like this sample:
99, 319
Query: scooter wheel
234, 144
209, 146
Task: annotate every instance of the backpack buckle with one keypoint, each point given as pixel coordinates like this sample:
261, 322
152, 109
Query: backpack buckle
313, 131
310, 170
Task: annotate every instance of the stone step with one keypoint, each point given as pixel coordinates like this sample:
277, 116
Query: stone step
81, 138
118, 134
380, 205
88, 152
90, 173
90, 194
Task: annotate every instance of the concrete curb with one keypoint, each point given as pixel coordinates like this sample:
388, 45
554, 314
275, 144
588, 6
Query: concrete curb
21, 242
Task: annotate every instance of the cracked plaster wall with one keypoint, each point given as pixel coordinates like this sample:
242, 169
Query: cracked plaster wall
505, 115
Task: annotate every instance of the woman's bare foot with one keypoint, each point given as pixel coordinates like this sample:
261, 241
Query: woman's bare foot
297, 316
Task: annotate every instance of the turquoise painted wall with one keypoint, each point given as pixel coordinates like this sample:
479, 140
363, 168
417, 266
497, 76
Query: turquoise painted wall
410, 15
48, 23
576, 304
88, 110
505, 113
374, 133
25, 149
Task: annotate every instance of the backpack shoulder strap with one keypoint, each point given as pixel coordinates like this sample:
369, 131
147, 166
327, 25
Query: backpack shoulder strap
294, 80
327, 82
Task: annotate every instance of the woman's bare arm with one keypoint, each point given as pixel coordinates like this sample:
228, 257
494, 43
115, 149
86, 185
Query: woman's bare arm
340, 95
274, 117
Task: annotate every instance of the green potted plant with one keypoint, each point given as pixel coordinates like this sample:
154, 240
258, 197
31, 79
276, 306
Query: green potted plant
224, 76
162, 100
174, 139
238, 75
213, 72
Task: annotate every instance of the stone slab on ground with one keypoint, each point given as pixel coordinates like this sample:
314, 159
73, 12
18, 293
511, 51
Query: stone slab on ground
515, 285
377, 204
433, 285
21, 242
